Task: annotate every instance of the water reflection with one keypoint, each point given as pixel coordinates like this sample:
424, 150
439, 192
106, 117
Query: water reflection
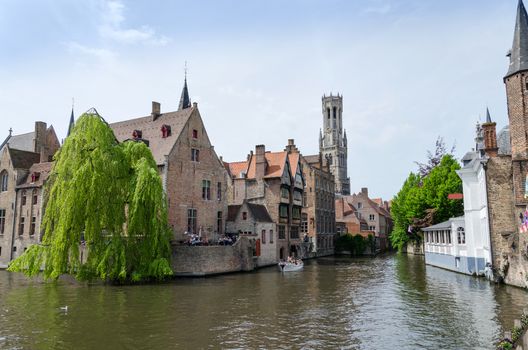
384, 303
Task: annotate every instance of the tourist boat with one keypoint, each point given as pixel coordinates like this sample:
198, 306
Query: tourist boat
285, 266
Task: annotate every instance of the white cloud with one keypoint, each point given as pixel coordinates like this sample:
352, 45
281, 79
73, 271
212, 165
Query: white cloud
101, 54
112, 21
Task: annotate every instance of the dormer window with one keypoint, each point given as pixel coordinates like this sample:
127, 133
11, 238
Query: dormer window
137, 134
165, 131
35, 177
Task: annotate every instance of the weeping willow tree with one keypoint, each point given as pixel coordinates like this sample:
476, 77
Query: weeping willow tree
106, 214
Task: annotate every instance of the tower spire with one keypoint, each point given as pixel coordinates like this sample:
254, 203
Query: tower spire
519, 51
185, 101
72, 120
488, 117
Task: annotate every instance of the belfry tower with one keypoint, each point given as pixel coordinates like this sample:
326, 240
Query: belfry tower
333, 142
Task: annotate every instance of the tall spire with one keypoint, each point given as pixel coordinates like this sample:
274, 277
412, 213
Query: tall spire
488, 117
185, 101
72, 122
519, 52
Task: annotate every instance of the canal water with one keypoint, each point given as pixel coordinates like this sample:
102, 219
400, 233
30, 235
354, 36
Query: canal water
390, 302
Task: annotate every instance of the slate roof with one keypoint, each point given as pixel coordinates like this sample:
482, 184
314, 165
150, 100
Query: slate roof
443, 225
312, 159
151, 131
519, 52
23, 142
258, 212
44, 169
185, 101
23, 159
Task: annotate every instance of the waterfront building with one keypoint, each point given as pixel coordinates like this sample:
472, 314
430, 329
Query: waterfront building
446, 245
192, 174
253, 221
318, 213
274, 180
24, 163
506, 174
377, 216
347, 217
333, 142
476, 248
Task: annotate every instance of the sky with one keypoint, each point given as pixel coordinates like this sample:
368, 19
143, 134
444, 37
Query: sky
409, 71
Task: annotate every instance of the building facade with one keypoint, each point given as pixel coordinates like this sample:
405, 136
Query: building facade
333, 142
192, 174
274, 180
20, 156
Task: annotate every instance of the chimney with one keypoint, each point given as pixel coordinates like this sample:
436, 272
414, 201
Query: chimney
156, 110
260, 161
195, 105
364, 191
39, 141
339, 208
490, 138
291, 146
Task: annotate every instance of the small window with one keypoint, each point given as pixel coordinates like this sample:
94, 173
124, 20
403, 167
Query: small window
206, 189
461, 235
3, 181
195, 155
21, 226
296, 213
244, 215
271, 236
195, 134
165, 131
35, 197
2, 220
294, 232
219, 191
219, 223
304, 223
360, 205
371, 217
191, 220
33, 225
285, 193
282, 232
14, 248
23, 200
35, 177
283, 211
263, 236
137, 134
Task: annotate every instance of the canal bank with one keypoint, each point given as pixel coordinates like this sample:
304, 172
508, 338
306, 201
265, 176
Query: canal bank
387, 302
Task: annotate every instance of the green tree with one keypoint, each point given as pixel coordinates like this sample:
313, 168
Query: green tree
105, 215
418, 195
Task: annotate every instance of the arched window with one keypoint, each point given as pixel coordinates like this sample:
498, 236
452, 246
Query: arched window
461, 235
3, 181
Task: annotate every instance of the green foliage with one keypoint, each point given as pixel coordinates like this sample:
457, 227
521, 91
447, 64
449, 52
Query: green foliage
419, 194
406, 205
355, 244
108, 196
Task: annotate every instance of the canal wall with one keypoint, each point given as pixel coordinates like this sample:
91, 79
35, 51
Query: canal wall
414, 248
211, 260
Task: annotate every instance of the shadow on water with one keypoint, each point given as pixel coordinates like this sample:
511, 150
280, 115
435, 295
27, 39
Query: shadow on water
387, 302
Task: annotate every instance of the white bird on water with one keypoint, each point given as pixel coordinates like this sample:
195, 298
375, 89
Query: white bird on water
64, 308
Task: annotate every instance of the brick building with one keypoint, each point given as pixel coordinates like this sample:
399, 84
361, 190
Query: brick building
24, 163
274, 180
506, 174
318, 215
192, 174
376, 214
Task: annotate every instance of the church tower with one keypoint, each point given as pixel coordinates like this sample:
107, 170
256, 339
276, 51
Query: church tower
516, 81
333, 142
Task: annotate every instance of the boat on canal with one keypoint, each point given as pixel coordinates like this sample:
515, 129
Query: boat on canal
291, 265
